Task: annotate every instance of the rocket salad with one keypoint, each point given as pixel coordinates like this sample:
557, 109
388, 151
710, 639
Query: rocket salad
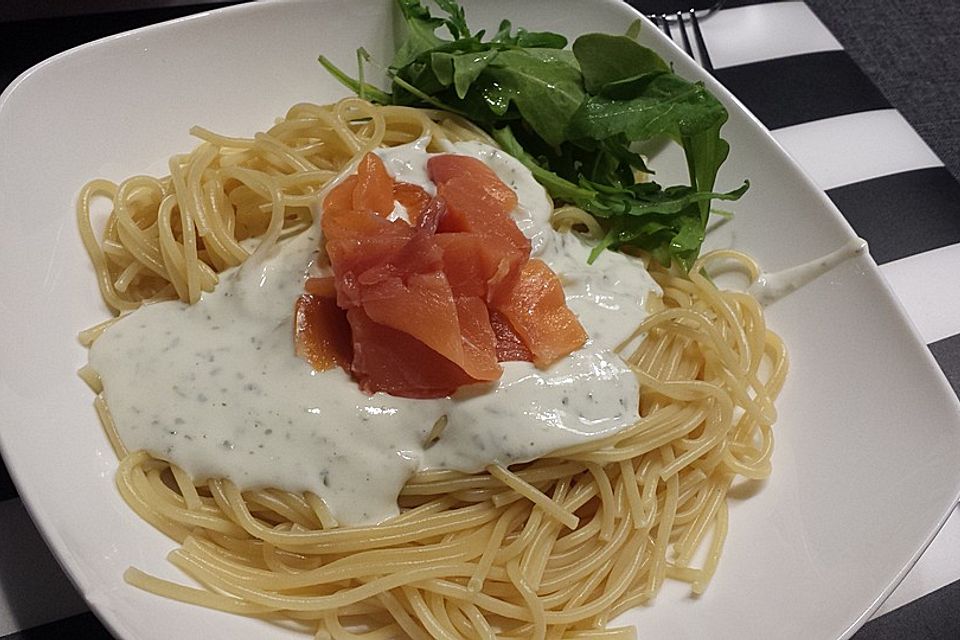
573, 116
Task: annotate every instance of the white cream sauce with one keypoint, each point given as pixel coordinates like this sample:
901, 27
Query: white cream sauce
216, 387
770, 287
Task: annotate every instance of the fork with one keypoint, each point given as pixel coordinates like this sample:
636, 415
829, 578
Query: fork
683, 18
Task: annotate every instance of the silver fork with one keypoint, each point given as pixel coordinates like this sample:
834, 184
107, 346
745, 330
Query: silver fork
681, 20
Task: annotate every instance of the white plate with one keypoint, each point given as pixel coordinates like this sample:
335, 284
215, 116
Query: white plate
868, 445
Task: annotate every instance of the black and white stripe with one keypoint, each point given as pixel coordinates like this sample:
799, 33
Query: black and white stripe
802, 88
786, 67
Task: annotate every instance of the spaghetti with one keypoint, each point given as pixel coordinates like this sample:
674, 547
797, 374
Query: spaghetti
554, 548
169, 238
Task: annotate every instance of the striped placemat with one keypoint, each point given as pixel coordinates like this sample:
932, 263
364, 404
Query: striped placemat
782, 62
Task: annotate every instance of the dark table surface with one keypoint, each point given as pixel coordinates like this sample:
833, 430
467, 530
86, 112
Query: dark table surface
910, 49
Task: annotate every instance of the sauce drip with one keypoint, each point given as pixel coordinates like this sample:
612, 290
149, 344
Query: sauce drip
770, 287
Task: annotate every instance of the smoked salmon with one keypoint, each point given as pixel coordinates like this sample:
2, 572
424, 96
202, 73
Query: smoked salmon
421, 306
322, 333
382, 359
534, 305
414, 199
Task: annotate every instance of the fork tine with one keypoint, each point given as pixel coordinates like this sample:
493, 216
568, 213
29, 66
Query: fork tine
681, 25
662, 21
664, 25
701, 45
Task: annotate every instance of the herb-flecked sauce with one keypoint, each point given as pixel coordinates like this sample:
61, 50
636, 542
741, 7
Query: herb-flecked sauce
217, 389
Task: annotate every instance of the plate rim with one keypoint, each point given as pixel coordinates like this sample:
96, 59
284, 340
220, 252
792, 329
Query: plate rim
69, 562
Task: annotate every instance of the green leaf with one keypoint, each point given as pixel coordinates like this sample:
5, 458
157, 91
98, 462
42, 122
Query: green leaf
665, 202
543, 85
705, 152
540, 40
686, 242
428, 99
467, 67
421, 33
666, 222
457, 22
628, 88
554, 184
503, 33
667, 105
527, 39
441, 63
605, 59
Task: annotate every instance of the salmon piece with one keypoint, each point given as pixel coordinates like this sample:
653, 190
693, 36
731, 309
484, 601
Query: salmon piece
534, 305
395, 274
431, 215
443, 168
424, 308
414, 199
351, 259
473, 192
390, 249
338, 224
475, 179
418, 255
478, 340
340, 198
325, 287
380, 353
420, 304
357, 241
322, 334
473, 206
374, 189
476, 265
510, 347
370, 189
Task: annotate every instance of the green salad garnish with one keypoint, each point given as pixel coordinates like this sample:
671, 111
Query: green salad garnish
574, 117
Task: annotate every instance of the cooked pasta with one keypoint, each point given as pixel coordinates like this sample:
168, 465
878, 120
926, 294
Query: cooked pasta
169, 238
554, 548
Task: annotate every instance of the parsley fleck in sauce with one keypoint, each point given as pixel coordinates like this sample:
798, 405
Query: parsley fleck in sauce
216, 387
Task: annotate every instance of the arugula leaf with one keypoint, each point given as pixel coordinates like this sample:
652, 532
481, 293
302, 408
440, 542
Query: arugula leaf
467, 67
527, 39
421, 36
573, 117
539, 40
557, 186
545, 87
460, 69
666, 105
457, 22
705, 152
503, 34
606, 59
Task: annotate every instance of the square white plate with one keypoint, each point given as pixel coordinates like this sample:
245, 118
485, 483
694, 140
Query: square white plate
868, 443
